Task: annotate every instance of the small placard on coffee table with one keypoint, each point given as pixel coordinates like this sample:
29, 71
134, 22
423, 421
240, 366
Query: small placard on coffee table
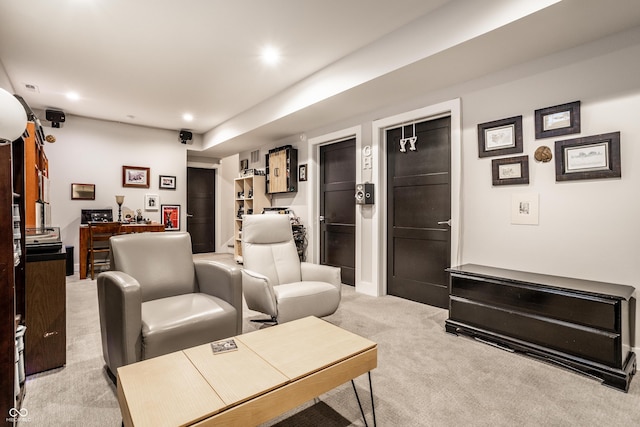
224, 346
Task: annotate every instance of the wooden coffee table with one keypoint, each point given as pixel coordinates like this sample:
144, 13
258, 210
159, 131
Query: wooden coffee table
273, 371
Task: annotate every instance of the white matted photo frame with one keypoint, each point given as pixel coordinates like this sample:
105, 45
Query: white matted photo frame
167, 182
525, 209
590, 157
500, 137
151, 202
558, 120
171, 217
510, 171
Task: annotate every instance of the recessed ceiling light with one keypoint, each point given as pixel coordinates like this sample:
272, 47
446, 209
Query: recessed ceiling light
187, 117
270, 55
73, 96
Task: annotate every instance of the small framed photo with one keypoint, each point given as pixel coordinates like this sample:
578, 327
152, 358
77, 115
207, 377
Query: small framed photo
510, 171
171, 217
83, 191
500, 137
558, 120
591, 157
167, 182
244, 164
135, 176
525, 209
302, 172
151, 202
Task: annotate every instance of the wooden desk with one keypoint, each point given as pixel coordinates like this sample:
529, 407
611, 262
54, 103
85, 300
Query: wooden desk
274, 370
126, 228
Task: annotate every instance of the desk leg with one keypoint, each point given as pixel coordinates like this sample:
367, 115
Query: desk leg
373, 409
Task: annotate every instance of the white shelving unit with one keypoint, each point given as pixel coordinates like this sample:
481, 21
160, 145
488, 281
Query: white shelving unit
250, 198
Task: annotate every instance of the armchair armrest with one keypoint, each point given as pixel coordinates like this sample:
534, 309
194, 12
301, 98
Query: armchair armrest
222, 281
258, 292
320, 273
120, 308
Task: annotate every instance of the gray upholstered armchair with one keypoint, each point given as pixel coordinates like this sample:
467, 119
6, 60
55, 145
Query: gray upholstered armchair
274, 280
157, 299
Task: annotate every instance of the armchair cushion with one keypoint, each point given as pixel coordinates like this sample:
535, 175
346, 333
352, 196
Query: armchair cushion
300, 299
182, 321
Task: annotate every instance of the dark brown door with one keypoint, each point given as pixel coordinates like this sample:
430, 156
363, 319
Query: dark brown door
201, 184
338, 207
419, 197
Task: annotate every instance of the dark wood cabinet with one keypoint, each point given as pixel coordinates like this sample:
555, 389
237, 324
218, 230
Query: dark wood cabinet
282, 170
45, 338
582, 324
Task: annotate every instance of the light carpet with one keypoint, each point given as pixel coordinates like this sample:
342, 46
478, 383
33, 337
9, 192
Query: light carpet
425, 377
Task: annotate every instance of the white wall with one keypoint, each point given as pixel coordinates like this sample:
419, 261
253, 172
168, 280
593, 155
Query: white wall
587, 229
93, 152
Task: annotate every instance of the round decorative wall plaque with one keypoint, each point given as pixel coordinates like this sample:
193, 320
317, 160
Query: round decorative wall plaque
543, 154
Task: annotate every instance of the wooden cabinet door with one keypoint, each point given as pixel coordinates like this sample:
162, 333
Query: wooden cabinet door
278, 172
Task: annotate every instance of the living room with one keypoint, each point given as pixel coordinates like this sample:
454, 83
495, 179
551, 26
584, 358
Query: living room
584, 228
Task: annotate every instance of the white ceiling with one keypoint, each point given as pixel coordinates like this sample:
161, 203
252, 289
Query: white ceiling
147, 62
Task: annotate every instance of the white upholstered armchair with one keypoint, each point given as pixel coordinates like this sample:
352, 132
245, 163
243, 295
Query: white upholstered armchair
274, 280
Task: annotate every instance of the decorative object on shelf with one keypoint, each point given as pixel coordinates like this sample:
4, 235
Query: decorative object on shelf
83, 191
119, 201
135, 176
244, 164
50, 138
510, 171
558, 120
151, 202
302, 173
543, 154
13, 117
139, 217
500, 137
171, 217
167, 182
590, 157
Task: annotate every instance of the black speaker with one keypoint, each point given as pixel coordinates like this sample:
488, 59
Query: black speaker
55, 117
185, 136
364, 194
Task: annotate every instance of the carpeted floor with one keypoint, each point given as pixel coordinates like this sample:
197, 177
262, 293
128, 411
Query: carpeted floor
425, 377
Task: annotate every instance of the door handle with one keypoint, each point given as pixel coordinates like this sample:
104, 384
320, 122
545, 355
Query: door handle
448, 222
189, 215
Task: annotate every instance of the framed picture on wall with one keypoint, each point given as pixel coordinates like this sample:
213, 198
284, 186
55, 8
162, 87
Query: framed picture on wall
167, 182
135, 176
500, 137
510, 171
591, 157
558, 120
171, 217
151, 202
83, 191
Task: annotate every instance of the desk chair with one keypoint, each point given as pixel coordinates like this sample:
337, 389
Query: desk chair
99, 235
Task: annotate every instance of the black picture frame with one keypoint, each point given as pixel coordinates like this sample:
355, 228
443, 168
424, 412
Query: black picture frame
589, 157
500, 137
563, 119
171, 217
302, 172
510, 171
167, 182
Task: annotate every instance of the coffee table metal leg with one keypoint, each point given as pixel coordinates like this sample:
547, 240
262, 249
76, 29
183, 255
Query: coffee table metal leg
373, 409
